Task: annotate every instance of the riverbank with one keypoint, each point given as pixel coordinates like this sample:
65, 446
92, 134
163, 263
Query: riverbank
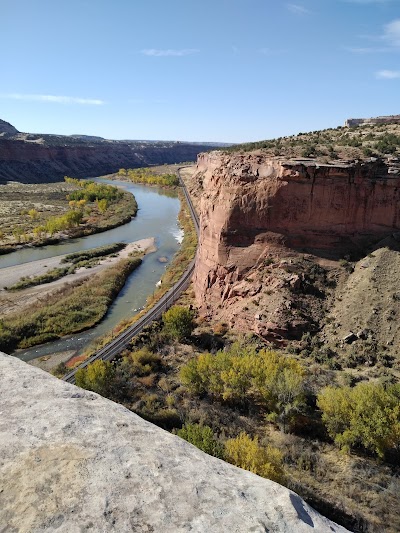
42, 214
50, 363
164, 176
173, 273
71, 309
20, 301
156, 217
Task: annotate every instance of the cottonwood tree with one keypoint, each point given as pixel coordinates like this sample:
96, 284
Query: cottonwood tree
178, 322
97, 377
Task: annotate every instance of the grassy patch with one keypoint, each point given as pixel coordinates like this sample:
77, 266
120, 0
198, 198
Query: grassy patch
72, 309
48, 277
42, 214
101, 251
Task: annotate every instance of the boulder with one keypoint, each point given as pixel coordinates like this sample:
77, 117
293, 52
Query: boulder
72, 461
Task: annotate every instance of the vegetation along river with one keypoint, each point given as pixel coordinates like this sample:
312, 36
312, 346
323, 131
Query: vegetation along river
157, 217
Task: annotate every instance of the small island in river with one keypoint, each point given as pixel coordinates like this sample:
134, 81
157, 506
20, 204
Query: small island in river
37, 304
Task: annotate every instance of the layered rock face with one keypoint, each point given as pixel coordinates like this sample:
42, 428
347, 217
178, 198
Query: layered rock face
72, 461
253, 207
350, 122
30, 158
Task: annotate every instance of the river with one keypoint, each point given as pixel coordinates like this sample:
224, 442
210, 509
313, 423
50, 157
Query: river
157, 217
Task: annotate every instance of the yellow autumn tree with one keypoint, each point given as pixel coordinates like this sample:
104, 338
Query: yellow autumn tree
367, 415
247, 453
97, 376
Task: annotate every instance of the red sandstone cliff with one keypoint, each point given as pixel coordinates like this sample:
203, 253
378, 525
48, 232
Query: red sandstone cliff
257, 211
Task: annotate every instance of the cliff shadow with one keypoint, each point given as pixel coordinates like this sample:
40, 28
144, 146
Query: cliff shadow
322, 245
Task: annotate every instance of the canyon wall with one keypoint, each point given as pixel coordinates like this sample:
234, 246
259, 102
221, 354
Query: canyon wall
34, 158
253, 205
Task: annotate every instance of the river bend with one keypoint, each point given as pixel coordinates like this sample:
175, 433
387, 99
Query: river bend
157, 217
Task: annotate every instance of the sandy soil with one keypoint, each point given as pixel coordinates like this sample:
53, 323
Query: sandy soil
16, 301
193, 184
48, 362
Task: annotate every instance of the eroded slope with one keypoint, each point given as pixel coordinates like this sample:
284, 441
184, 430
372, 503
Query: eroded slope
273, 230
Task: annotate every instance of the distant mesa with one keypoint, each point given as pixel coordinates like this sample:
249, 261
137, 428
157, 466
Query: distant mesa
89, 138
377, 120
41, 158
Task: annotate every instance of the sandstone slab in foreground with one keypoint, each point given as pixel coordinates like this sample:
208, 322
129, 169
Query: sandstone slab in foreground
72, 461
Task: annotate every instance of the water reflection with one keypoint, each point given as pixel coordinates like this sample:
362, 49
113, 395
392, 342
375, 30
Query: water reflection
157, 217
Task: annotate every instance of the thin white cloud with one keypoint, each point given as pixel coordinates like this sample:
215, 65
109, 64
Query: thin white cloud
367, 50
389, 39
297, 9
392, 32
388, 74
52, 99
169, 52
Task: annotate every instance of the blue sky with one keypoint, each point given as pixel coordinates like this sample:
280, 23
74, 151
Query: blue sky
216, 70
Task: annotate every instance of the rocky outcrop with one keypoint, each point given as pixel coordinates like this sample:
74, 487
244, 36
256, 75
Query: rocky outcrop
35, 158
256, 210
7, 130
72, 461
390, 119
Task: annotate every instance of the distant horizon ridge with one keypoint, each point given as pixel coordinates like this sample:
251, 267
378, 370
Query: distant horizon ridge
10, 129
372, 120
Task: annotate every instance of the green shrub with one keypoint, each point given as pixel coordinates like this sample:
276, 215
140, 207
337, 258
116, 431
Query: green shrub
388, 143
203, 438
100, 251
241, 373
366, 415
178, 322
144, 362
60, 370
47, 277
91, 191
97, 377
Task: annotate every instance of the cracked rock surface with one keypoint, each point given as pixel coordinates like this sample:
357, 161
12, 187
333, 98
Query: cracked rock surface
72, 461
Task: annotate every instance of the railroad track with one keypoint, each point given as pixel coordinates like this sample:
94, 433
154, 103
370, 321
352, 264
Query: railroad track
119, 343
